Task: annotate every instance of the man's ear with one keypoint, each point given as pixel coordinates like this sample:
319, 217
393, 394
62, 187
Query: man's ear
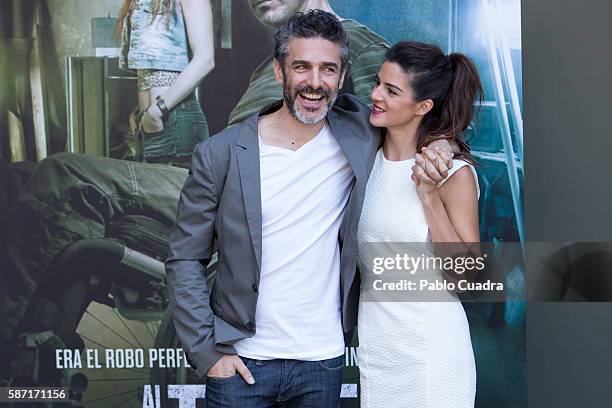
278, 71
423, 107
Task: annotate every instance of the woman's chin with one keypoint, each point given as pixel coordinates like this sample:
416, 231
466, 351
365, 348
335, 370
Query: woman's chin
376, 121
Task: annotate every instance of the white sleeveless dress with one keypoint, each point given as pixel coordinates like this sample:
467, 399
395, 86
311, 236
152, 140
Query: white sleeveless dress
411, 354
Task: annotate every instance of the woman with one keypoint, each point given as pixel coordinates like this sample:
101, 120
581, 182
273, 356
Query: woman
417, 353
157, 37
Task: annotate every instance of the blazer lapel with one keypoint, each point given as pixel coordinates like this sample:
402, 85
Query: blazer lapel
348, 143
350, 146
247, 155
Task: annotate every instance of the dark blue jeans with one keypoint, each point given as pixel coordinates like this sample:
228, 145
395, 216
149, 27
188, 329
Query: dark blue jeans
280, 383
184, 128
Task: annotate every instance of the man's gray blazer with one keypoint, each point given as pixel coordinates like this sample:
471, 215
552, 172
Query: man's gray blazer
221, 200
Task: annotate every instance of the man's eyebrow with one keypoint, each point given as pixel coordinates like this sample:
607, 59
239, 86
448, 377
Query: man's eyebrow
301, 62
330, 64
304, 62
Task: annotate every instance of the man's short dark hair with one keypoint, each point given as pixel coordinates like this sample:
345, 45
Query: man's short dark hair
313, 24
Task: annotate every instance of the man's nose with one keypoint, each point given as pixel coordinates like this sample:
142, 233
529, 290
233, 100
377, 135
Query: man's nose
314, 79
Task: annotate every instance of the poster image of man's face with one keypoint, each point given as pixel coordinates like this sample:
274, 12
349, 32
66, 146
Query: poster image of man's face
311, 75
275, 12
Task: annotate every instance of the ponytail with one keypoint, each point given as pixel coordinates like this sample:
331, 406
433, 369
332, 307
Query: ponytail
464, 91
451, 82
458, 107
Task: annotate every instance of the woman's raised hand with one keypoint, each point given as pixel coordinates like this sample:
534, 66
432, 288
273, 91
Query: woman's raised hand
431, 166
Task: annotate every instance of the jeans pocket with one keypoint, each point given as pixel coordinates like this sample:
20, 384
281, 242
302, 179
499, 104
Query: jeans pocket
152, 134
231, 377
160, 147
157, 132
168, 122
191, 130
332, 364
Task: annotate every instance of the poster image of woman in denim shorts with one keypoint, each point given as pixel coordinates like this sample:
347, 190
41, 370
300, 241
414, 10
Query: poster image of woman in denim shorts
169, 43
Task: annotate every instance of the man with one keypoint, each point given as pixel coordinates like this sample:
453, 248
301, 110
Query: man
366, 53
281, 192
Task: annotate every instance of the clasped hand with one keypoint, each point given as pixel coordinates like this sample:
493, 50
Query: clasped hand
431, 166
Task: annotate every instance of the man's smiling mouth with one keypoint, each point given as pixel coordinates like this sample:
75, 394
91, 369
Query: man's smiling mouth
313, 97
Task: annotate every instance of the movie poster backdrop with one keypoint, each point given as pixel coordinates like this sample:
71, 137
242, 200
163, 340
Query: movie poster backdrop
127, 353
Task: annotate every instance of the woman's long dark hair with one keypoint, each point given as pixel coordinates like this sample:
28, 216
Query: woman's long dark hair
161, 7
450, 81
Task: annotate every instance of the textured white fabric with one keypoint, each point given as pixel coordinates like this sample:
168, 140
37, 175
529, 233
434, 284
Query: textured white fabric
303, 196
411, 354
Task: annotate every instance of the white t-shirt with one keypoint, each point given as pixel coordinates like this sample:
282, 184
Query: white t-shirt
303, 196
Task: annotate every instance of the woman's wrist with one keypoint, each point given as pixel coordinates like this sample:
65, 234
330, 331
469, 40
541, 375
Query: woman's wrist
161, 105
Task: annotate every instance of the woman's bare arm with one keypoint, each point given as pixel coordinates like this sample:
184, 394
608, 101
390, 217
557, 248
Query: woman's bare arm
198, 21
451, 211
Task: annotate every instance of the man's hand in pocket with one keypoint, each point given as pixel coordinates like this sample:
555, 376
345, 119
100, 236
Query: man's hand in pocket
228, 366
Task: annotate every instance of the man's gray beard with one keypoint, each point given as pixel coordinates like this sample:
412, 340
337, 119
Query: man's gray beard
312, 120
306, 119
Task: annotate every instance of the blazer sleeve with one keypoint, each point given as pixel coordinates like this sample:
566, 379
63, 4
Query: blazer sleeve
191, 247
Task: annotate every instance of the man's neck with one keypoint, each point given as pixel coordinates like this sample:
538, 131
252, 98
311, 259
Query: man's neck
282, 129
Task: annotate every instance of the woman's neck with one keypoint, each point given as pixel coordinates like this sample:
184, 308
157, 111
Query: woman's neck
400, 143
